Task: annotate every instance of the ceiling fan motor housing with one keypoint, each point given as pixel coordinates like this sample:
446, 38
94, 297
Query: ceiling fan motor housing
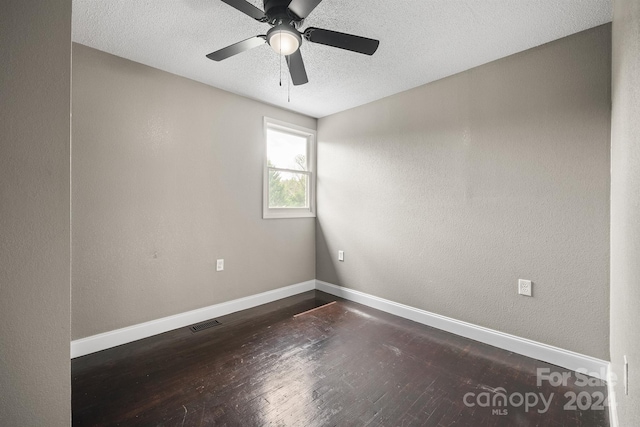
278, 12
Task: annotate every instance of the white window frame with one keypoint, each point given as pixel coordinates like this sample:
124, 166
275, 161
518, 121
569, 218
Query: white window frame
310, 134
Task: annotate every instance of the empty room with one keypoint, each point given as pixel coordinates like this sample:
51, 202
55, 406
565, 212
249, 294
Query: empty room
320, 213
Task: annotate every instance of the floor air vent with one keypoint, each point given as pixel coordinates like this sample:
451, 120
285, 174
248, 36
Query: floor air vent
204, 325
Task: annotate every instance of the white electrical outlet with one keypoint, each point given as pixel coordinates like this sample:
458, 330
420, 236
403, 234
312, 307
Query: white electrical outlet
220, 265
524, 287
626, 376
341, 256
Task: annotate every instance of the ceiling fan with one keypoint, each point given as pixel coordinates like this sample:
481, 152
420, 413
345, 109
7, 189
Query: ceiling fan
285, 17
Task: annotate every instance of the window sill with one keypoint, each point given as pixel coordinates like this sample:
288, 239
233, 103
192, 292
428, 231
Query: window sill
287, 213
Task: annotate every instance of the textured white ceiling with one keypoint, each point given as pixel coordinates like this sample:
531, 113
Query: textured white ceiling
420, 41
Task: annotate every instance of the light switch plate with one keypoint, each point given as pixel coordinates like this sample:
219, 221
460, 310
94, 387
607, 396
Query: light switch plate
220, 265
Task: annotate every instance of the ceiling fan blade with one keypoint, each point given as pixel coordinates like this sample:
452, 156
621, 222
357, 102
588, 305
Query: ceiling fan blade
342, 40
247, 8
303, 8
236, 48
296, 68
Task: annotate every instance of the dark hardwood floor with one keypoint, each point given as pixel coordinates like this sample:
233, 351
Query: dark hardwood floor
342, 365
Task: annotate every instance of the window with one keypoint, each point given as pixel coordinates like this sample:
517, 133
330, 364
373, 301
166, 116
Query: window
289, 171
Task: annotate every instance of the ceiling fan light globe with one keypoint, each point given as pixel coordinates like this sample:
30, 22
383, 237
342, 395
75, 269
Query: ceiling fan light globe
283, 41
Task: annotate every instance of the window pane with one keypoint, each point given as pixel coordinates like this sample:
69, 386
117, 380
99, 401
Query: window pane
288, 189
286, 151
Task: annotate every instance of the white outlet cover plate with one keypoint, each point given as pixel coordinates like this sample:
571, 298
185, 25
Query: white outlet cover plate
626, 376
220, 265
340, 255
524, 287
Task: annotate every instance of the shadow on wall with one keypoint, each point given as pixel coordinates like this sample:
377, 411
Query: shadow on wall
326, 268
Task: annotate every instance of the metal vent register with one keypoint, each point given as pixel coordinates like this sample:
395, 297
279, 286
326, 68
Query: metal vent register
204, 325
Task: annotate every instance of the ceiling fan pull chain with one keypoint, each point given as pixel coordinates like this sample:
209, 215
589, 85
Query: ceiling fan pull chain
280, 65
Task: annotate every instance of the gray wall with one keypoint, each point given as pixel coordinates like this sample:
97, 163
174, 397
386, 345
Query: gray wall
35, 73
625, 207
167, 177
444, 195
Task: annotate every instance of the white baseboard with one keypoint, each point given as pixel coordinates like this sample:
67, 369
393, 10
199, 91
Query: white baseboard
546, 353
613, 408
92, 344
